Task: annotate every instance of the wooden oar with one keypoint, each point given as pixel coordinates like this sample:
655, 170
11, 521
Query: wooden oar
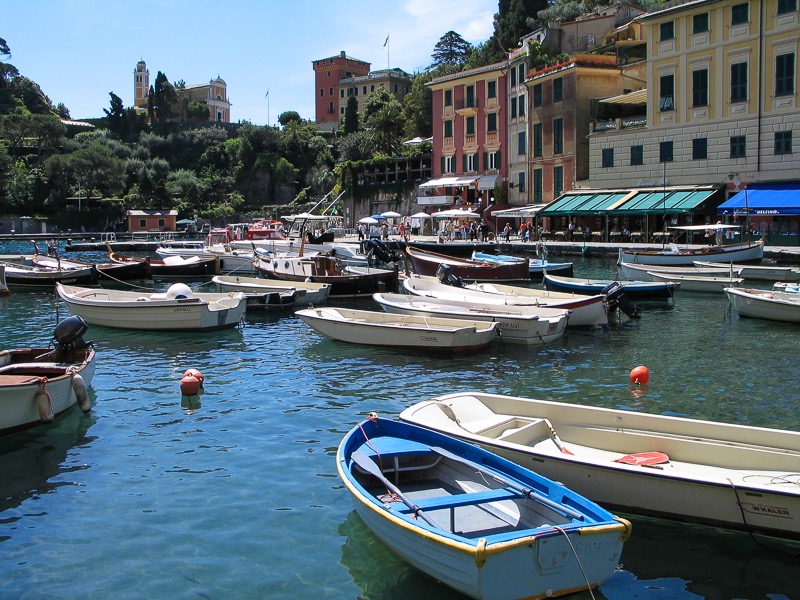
526, 492
366, 463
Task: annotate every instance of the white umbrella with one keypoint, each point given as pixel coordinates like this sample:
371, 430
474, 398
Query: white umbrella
391, 213
456, 214
421, 215
368, 221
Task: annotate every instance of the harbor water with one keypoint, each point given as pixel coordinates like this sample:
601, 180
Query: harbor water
238, 498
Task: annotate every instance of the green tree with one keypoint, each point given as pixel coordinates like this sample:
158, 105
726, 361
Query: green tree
451, 49
386, 128
418, 107
116, 118
351, 116
288, 117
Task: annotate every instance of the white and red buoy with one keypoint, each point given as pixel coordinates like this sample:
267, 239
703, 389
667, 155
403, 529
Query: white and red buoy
191, 388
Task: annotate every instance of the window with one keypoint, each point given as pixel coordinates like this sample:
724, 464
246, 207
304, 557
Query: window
330, 108
491, 122
608, 157
330, 92
537, 139
700, 23
321, 92
786, 6
470, 163
449, 164
784, 74
513, 108
364, 90
783, 142
470, 96
538, 186
558, 181
558, 89
537, 94
558, 136
521, 181
521, 70
700, 87
142, 223
521, 143
665, 152
492, 161
448, 97
740, 14
341, 93
667, 31
739, 82
448, 128
521, 101
699, 148
491, 89
667, 88
470, 124
738, 146
637, 155
514, 77
162, 223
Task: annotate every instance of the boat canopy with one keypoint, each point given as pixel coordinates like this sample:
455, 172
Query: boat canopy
705, 227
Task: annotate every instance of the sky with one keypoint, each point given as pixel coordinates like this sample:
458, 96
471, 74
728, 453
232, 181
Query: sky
79, 51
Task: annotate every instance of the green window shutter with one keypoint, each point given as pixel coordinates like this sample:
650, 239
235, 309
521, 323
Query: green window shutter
442, 164
463, 163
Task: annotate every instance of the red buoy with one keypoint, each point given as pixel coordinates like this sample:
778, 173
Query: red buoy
640, 375
190, 385
194, 373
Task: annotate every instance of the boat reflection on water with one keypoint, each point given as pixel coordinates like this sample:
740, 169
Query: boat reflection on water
696, 562
32, 460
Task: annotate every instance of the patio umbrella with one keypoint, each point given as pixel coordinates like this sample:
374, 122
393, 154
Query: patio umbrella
391, 214
185, 222
378, 217
368, 221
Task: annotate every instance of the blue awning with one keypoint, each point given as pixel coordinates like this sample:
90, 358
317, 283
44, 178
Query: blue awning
764, 199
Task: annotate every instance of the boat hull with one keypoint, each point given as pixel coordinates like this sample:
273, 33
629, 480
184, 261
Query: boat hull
691, 283
725, 254
731, 476
531, 560
428, 263
432, 334
22, 277
635, 290
154, 312
312, 293
764, 304
19, 384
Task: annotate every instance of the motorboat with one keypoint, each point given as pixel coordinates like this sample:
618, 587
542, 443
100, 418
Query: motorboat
636, 272
482, 525
36, 277
673, 255
758, 272
174, 267
585, 311
217, 244
108, 271
518, 324
388, 330
726, 475
425, 262
634, 290
308, 292
696, 283
537, 267
177, 309
765, 304
39, 384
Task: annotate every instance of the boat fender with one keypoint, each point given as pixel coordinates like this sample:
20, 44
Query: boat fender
43, 402
81, 393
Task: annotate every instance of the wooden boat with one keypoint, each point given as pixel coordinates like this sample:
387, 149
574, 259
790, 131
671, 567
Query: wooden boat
686, 256
536, 266
38, 384
765, 304
345, 281
109, 271
758, 272
585, 311
308, 292
634, 290
640, 272
416, 332
427, 263
733, 476
787, 286
476, 522
32, 277
177, 309
517, 324
174, 267
697, 283
3, 285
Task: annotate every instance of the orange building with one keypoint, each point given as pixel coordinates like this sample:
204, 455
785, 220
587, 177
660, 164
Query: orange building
328, 72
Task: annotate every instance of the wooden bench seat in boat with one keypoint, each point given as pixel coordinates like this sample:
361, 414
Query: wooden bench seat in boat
17, 379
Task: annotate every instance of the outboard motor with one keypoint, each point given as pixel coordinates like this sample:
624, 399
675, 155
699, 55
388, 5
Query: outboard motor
380, 250
616, 299
445, 274
68, 336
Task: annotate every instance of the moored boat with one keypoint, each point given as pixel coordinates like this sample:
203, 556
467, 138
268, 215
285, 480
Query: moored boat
696, 283
478, 523
758, 272
38, 384
634, 290
641, 272
177, 309
434, 334
109, 271
537, 267
773, 305
518, 324
174, 267
752, 251
309, 292
425, 262
32, 277
3, 285
727, 475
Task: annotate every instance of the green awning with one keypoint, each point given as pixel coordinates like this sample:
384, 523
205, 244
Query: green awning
667, 201
584, 203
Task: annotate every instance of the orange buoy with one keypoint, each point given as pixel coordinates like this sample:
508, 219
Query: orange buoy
640, 375
194, 373
190, 385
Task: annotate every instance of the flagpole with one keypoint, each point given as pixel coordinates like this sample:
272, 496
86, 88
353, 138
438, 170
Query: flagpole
267, 96
386, 44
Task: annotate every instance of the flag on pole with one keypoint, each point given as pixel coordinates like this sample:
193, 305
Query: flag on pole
387, 40
267, 94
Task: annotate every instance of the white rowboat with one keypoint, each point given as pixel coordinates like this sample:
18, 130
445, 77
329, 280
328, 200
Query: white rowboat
765, 304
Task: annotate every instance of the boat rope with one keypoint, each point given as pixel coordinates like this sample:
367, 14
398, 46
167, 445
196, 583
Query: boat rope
793, 478
580, 564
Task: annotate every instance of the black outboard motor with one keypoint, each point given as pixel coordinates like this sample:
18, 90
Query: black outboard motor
446, 276
68, 336
380, 250
616, 299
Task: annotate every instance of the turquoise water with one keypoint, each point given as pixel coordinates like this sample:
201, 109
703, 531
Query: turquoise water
240, 499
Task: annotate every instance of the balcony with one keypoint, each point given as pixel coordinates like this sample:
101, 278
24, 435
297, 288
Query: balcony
619, 123
467, 107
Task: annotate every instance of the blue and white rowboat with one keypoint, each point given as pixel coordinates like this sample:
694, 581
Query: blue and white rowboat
473, 520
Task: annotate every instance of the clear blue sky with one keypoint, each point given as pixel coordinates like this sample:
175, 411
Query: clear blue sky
80, 50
